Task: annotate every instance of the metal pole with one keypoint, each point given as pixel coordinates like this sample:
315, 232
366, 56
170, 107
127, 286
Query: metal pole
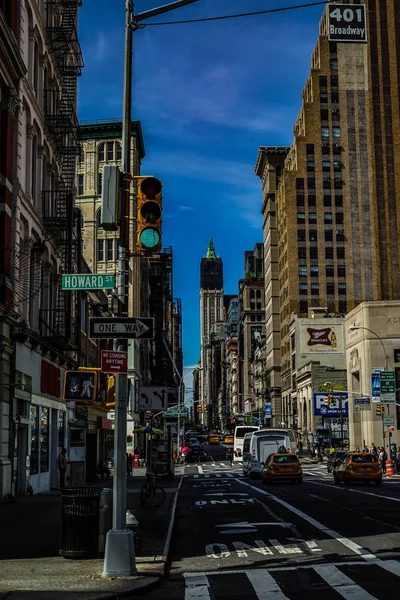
119, 558
341, 417
178, 431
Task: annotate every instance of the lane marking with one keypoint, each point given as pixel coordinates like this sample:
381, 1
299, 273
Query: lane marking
265, 585
197, 587
343, 489
393, 566
341, 583
356, 548
313, 546
200, 469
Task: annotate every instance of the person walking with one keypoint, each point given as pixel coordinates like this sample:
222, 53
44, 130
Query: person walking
129, 462
62, 466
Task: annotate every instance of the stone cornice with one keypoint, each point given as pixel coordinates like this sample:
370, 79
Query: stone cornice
9, 45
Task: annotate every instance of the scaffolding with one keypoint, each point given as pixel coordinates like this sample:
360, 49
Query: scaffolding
58, 204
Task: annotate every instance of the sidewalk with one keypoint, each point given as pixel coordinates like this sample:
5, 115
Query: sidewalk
30, 565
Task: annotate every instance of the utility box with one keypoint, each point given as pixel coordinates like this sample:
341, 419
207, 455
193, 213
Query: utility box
109, 197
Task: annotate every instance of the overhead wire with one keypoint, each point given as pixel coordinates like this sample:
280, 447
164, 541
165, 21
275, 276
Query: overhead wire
235, 16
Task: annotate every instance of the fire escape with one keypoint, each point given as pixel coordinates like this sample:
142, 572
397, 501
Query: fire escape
57, 325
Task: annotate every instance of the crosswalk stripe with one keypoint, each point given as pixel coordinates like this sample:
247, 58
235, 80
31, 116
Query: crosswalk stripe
200, 469
393, 566
265, 585
341, 583
197, 588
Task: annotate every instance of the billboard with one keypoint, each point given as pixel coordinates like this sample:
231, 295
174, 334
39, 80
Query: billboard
320, 410
320, 338
376, 382
347, 23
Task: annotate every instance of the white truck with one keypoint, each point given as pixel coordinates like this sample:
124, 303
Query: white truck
259, 445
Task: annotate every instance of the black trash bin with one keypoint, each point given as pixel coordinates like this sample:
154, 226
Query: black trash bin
80, 522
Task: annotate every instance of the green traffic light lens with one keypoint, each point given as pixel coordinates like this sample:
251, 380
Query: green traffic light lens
150, 237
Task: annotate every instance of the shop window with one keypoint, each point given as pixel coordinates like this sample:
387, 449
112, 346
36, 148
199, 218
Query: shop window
44, 439
34, 452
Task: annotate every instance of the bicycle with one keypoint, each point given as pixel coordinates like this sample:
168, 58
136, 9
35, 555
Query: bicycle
151, 495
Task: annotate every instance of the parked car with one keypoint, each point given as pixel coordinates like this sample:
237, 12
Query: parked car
280, 467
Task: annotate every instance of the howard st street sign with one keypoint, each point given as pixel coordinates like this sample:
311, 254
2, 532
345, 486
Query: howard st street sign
87, 282
115, 328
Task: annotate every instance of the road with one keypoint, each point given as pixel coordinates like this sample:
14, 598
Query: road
240, 539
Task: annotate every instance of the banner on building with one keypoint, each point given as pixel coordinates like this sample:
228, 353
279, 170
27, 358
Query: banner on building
320, 338
376, 382
321, 410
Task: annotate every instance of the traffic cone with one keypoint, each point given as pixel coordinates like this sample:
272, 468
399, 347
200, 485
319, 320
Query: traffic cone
389, 467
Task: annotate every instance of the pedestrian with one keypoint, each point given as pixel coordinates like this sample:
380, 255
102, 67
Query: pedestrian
62, 466
373, 449
383, 459
129, 461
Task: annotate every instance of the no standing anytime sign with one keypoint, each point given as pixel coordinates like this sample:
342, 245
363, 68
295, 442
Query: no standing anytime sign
347, 23
114, 362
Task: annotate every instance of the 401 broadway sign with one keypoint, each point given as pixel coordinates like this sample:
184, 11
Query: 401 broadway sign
347, 23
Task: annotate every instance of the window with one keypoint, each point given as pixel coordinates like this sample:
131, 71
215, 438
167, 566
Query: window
110, 150
301, 218
340, 252
98, 219
100, 250
342, 307
99, 183
110, 249
335, 115
303, 289
338, 183
33, 167
301, 235
323, 81
315, 289
313, 252
81, 156
303, 306
314, 270
396, 355
334, 97
44, 439
336, 132
325, 132
337, 149
326, 166
328, 253
100, 152
312, 218
311, 183
309, 148
330, 270
313, 235
332, 47
342, 289
329, 236
334, 64
301, 253
341, 271
61, 429
302, 270
83, 314
312, 201
326, 183
300, 201
119, 150
339, 218
35, 67
338, 201
326, 149
80, 185
324, 114
299, 183
327, 200
34, 462
334, 80
310, 165
328, 218
340, 236
330, 289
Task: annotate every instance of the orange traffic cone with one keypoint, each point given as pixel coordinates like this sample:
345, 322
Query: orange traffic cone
389, 467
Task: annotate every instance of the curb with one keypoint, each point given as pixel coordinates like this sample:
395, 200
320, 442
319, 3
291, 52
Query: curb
164, 557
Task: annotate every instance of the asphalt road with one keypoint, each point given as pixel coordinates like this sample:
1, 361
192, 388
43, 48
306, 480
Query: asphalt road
240, 539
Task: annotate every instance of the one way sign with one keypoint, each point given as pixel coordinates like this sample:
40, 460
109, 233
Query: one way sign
122, 327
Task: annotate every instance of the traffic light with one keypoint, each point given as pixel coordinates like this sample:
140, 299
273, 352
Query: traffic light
149, 214
330, 401
200, 408
205, 408
327, 401
379, 410
110, 401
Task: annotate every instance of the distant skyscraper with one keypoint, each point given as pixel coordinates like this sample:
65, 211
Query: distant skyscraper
211, 313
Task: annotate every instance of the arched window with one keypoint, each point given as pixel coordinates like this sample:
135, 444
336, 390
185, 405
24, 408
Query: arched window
258, 293
252, 294
100, 152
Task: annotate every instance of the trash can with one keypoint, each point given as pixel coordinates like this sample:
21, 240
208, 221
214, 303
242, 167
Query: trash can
105, 517
80, 523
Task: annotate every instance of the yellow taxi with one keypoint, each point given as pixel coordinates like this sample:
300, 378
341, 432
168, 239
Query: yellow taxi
283, 466
356, 466
228, 439
213, 438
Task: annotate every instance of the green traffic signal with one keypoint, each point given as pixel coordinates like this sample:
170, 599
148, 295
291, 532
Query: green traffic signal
150, 237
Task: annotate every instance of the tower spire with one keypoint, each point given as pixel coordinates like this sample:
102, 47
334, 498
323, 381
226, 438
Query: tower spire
211, 250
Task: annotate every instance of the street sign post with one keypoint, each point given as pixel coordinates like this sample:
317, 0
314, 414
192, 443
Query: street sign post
122, 327
173, 412
88, 281
114, 362
362, 403
347, 23
388, 388
388, 420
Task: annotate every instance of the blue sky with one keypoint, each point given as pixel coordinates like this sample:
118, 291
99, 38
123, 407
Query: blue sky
208, 95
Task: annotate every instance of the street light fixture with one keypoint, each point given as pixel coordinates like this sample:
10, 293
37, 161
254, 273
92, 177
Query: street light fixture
357, 327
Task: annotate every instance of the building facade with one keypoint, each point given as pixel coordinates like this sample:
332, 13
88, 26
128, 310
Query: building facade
211, 313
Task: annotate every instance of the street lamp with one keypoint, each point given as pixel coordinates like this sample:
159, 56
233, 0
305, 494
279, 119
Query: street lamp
357, 327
